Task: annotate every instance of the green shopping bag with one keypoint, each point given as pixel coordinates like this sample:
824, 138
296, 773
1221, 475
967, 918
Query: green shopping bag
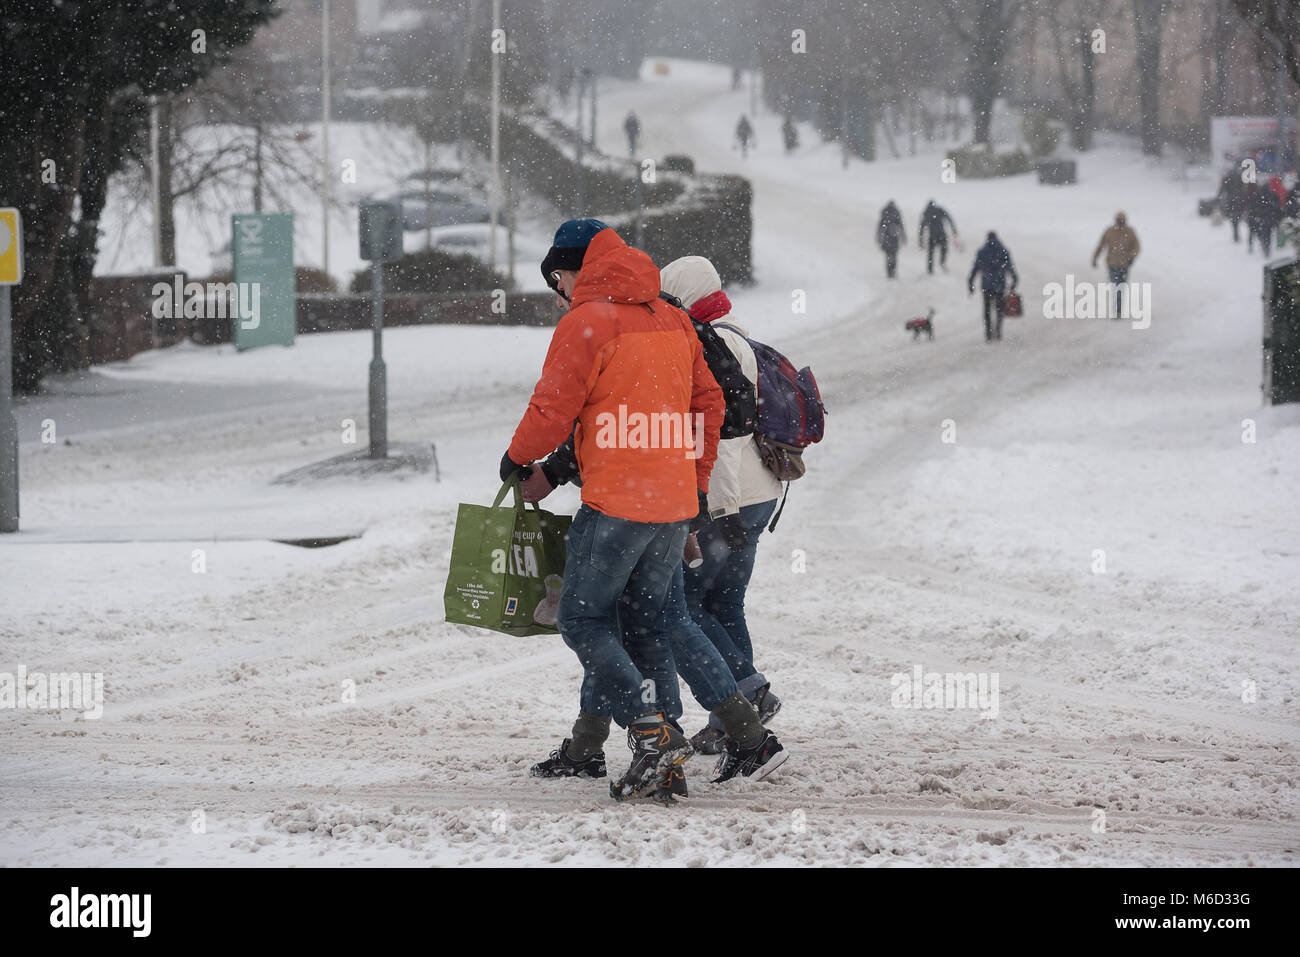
507, 566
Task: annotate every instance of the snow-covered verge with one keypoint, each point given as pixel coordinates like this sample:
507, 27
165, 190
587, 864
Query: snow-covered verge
1120, 674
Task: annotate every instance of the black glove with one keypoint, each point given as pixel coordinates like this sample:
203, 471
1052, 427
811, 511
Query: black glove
508, 467
702, 517
733, 531
561, 466
552, 474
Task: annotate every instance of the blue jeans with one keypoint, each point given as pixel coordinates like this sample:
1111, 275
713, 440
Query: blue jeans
617, 576
715, 592
690, 654
698, 660
596, 696
1118, 277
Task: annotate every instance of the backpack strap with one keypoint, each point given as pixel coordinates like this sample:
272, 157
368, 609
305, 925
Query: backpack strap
780, 508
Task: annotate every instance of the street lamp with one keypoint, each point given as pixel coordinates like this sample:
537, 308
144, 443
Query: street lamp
325, 135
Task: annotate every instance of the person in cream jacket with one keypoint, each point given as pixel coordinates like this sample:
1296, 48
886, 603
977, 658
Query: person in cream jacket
742, 497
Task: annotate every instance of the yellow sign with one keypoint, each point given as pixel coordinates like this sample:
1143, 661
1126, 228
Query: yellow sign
11, 247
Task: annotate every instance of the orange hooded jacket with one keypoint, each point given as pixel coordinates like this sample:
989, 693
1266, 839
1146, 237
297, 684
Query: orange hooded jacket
629, 369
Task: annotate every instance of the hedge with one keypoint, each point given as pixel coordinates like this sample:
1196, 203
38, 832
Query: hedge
702, 215
979, 162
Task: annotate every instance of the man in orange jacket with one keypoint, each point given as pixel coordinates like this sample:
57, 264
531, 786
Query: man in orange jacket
626, 373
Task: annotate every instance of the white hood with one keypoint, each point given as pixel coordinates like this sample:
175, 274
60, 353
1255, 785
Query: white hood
690, 279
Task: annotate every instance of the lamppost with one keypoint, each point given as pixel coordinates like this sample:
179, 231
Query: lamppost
495, 199
325, 135
577, 130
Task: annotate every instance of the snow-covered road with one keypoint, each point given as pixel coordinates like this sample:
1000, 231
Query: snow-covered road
1098, 536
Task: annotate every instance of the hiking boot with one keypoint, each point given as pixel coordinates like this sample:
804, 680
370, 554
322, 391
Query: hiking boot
766, 704
757, 762
560, 765
656, 746
708, 740
672, 786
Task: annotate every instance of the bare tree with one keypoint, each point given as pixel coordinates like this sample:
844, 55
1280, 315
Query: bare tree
1277, 22
1221, 24
228, 144
1148, 24
1073, 27
985, 34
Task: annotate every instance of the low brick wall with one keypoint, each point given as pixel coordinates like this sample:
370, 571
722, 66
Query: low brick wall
324, 312
122, 324
121, 321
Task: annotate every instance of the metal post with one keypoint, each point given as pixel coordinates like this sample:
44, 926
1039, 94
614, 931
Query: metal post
1280, 96
582, 86
378, 373
1280, 11
636, 171
753, 87
592, 140
325, 135
155, 180
494, 200
464, 81
8, 424
257, 168
581, 171
844, 123
428, 195
510, 226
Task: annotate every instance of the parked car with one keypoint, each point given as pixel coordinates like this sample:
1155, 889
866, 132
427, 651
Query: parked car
473, 239
439, 207
434, 175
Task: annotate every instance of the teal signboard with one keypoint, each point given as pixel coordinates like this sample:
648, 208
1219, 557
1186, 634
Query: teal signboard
265, 312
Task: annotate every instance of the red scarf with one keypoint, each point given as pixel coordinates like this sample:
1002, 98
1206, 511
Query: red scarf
713, 306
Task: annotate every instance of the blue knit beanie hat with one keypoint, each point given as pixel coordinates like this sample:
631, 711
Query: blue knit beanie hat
570, 246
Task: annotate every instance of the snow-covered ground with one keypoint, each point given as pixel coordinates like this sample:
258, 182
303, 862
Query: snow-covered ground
1098, 535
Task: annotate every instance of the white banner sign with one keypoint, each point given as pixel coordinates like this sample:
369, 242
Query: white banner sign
1235, 136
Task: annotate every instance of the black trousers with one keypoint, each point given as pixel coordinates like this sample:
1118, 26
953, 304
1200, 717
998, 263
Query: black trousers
995, 299
942, 243
1261, 232
891, 260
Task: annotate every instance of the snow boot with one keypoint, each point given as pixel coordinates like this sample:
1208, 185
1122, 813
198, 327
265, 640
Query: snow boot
672, 786
560, 765
708, 740
756, 762
711, 739
766, 703
656, 746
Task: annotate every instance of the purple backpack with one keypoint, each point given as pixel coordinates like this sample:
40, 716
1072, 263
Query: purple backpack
791, 414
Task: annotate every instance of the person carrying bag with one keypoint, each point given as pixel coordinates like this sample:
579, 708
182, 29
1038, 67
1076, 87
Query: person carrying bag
507, 566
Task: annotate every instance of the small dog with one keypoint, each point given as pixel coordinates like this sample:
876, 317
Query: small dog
919, 325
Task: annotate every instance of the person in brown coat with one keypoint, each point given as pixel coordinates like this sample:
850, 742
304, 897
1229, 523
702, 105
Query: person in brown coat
1121, 245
